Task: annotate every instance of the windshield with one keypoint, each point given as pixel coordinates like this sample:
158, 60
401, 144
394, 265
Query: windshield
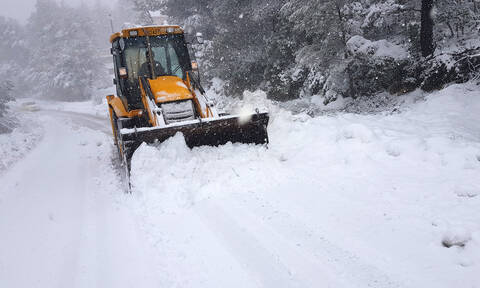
169, 52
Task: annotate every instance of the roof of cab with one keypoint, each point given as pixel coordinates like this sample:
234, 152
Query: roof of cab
147, 30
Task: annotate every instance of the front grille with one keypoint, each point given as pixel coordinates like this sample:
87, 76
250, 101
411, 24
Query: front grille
178, 111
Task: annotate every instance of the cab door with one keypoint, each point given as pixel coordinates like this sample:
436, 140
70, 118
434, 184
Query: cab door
117, 63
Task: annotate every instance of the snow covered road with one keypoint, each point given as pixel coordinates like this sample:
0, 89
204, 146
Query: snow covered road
60, 222
335, 201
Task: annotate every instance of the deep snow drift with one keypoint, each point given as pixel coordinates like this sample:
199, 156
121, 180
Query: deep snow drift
345, 200
341, 200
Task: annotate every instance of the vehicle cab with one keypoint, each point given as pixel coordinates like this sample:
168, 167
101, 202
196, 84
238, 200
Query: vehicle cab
170, 56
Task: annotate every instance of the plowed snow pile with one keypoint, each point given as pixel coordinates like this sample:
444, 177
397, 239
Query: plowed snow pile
387, 200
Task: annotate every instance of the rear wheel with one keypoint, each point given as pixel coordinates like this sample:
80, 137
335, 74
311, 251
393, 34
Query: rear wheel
116, 135
113, 121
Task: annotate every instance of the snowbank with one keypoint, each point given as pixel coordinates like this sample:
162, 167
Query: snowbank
16, 144
381, 48
378, 198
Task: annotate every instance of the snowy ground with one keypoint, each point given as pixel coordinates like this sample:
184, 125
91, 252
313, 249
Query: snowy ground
341, 200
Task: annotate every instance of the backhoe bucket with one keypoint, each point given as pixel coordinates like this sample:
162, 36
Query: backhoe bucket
199, 133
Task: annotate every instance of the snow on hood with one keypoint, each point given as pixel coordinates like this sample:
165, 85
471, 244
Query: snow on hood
169, 88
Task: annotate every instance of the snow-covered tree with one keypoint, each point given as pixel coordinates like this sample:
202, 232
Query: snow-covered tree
123, 14
6, 96
12, 46
143, 9
239, 45
14, 56
458, 17
64, 62
294, 48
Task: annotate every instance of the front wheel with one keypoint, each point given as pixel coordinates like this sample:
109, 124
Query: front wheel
116, 136
121, 154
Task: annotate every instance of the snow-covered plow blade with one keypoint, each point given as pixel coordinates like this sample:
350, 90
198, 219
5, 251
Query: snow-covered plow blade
213, 132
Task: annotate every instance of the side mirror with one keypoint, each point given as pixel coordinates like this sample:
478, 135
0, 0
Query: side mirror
194, 66
199, 38
122, 72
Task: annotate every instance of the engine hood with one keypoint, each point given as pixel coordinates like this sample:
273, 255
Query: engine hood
168, 89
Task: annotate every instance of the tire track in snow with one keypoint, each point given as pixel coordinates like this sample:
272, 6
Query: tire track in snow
90, 121
255, 258
299, 251
60, 222
276, 264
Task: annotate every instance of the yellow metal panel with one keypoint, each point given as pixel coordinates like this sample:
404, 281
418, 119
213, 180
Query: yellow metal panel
115, 36
169, 88
117, 105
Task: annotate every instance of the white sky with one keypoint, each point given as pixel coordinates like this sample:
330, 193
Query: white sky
21, 9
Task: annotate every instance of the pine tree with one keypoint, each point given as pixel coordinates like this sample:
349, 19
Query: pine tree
292, 48
64, 64
426, 33
458, 17
143, 9
6, 95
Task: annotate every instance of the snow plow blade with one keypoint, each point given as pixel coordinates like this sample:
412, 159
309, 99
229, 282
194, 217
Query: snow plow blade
200, 133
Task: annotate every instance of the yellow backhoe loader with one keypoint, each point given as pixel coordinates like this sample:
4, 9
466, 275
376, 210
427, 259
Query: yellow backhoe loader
159, 94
